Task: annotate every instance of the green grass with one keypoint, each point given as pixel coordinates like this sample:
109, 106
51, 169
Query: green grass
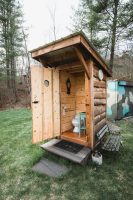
112, 180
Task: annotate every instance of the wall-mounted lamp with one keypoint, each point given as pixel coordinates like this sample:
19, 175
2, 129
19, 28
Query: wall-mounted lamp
68, 84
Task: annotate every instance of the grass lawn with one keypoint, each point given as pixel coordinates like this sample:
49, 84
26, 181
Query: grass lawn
112, 180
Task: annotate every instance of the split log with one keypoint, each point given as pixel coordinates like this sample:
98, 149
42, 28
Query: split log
97, 79
99, 84
99, 102
100, 90
98, 118
99, 125
99, 110
99, 95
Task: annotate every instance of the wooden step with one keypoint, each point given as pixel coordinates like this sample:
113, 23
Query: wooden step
81, 157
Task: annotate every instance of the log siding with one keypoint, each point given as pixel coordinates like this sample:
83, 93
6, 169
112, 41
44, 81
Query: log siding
99, 100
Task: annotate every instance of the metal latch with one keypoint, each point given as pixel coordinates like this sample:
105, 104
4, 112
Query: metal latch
35, 102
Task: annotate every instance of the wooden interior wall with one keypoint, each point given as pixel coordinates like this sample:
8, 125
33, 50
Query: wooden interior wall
68, 105
80, 93
74, 102
99, 100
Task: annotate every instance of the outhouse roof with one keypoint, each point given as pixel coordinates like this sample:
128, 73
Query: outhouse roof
61, 52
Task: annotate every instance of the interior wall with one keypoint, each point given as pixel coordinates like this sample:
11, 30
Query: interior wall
80, 93
74, 102
68, 105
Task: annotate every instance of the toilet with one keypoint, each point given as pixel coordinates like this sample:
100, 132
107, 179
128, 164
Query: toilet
75, 123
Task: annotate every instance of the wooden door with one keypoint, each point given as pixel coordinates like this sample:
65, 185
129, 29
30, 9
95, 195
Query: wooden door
45, 103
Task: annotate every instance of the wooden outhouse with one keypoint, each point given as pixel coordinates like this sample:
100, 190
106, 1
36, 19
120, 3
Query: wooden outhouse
71, 79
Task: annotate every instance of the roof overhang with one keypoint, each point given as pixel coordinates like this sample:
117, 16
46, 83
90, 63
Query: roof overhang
62, 51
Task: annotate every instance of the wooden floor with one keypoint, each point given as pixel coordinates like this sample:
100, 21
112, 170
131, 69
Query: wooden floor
74, 137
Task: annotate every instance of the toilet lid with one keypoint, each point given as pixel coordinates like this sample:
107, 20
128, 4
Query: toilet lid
77, 116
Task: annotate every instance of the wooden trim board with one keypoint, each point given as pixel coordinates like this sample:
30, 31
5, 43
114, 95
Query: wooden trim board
89, 105
61, 44
83, 62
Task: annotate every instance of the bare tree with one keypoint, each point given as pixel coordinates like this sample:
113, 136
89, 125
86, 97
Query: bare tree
52, 13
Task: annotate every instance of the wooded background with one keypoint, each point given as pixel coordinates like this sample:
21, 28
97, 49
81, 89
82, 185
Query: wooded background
107, 23
109, 26
14, 56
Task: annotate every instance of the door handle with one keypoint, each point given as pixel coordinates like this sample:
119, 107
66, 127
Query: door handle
35, 102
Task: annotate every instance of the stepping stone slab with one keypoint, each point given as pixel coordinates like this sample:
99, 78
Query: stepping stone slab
50, 168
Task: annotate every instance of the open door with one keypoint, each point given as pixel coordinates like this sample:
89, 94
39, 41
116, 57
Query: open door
45, 103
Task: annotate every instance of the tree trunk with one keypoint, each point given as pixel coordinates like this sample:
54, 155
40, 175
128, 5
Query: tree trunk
113, 38
13, 77
7, 64
8, 77
26, 50
28, 59
8, 70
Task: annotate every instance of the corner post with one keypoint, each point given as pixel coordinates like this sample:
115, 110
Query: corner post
89, 93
